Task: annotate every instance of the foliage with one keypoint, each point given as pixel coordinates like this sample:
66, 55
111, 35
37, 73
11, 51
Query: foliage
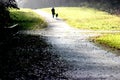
4, 12
27, 19
9, 3
88, 18
111, 6
4, 16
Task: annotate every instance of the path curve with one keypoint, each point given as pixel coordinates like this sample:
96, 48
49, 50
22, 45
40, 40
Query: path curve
86, 60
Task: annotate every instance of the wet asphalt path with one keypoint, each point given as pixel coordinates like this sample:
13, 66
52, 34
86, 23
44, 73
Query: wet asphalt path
86, 60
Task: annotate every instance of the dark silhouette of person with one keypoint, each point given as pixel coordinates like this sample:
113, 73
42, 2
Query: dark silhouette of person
53, 12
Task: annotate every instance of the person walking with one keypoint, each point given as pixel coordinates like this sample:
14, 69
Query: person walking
53, 12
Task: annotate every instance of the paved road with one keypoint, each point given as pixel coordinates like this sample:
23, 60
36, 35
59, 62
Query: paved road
86, 60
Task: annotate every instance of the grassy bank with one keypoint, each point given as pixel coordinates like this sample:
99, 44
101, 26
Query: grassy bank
109, 40
27, 19
88, 18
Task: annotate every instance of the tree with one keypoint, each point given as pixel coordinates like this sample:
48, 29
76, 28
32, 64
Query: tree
4, 12
9, 3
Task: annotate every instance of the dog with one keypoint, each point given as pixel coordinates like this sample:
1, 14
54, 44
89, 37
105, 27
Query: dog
56, 15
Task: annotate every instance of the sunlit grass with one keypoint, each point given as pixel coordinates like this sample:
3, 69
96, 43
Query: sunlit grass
88, 18
27, 19
109, 40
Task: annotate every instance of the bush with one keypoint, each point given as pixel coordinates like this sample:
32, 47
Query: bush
4, 16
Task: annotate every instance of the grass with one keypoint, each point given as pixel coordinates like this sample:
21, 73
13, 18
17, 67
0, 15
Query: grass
88, 18
27, 19
109, 40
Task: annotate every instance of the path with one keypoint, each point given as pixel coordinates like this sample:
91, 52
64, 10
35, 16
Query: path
86, 60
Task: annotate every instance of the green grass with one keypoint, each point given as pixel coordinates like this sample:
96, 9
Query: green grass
88, 18
109, 40
27, 19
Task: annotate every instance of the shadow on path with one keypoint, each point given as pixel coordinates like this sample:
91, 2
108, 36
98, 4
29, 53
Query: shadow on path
28, 57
